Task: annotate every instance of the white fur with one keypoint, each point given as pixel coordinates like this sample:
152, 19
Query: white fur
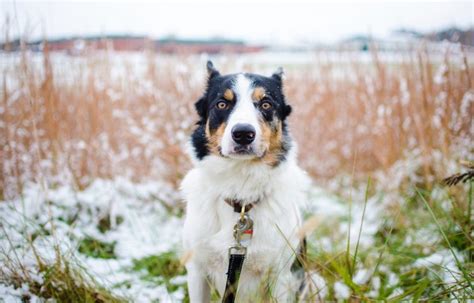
208, 227
243, 112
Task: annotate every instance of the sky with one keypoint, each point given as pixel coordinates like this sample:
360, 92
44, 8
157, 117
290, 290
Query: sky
254, 21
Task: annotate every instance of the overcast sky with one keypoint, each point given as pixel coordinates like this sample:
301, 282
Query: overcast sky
265, 21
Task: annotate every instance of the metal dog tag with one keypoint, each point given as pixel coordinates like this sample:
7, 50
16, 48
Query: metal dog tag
246, 237
243, 231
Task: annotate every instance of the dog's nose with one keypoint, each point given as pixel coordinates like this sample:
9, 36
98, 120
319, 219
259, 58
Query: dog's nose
243, 134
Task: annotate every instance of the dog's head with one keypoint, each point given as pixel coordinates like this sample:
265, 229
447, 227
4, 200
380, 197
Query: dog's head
242, 117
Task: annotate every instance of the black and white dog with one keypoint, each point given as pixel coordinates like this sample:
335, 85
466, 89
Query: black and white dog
243, 154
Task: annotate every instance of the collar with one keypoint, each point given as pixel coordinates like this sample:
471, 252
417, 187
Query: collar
237, 204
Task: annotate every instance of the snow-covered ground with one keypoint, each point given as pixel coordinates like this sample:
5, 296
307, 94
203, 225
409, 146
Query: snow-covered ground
140, 225
142, 219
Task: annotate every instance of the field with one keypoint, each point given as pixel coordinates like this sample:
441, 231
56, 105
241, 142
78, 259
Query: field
92, 154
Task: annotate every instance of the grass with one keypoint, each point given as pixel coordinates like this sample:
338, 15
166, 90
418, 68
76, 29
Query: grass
97, 249
458, 263
161, 269
72, 120
397, 266
395, 261
361, 224
63, 280
67, 284
105, 223
377, 110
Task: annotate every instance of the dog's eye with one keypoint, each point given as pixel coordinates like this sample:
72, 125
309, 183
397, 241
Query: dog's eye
221, 105
266, 105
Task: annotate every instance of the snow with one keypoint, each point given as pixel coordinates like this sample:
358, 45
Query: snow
333, 209
140, 225
362, 276
318, 284
147, 229
8, 294
376, 283
341, 290
445, 259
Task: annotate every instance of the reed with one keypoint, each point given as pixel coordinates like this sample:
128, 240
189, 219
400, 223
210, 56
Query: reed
75, 118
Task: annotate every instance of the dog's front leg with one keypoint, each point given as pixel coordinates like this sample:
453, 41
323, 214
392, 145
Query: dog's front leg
199, 291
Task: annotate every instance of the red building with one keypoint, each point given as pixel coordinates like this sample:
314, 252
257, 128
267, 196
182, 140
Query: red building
81, 45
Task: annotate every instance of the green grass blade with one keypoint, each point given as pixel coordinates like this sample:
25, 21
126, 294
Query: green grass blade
458, 263
361, 224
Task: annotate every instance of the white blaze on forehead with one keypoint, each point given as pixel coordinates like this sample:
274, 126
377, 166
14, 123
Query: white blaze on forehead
244, 112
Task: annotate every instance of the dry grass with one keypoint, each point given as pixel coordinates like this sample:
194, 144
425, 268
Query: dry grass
71, 119
376, 112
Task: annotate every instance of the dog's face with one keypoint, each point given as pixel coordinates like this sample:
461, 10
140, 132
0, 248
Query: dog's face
242, 116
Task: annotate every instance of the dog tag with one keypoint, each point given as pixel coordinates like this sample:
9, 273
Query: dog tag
243, 231
246, 237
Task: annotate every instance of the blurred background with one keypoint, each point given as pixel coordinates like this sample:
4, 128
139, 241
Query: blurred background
115, 82
97, 106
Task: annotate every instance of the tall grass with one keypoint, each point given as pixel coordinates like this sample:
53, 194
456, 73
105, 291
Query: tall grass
66, 119
100, 115
421, 252
62, 279
379, 110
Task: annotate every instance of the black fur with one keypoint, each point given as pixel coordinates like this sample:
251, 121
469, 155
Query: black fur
215, 88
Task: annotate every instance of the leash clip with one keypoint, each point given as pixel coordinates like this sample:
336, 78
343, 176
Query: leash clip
238, 250
243, 231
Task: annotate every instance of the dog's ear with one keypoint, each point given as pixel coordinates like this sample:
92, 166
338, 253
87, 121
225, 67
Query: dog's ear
287, 110
201, 108
201, 104
211, 70
278, 74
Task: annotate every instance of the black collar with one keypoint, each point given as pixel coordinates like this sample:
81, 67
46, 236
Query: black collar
237, 204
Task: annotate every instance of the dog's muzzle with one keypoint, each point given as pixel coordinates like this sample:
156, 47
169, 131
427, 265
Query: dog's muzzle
243, 134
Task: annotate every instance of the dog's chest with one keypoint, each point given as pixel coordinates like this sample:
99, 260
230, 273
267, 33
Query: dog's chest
208, 229
273, 239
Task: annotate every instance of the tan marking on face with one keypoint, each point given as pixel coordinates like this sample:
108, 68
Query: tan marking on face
214, 138
258, 94
272, 142
229, 95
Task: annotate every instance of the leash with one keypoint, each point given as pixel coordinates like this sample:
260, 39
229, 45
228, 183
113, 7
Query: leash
243, 231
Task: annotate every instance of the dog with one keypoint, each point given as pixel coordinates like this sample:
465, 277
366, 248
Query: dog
243, 156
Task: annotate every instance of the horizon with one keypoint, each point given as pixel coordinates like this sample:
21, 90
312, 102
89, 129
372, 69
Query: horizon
316, 23
220, 39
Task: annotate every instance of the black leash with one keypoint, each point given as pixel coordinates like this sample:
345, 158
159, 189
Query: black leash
236, 261
243, 231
